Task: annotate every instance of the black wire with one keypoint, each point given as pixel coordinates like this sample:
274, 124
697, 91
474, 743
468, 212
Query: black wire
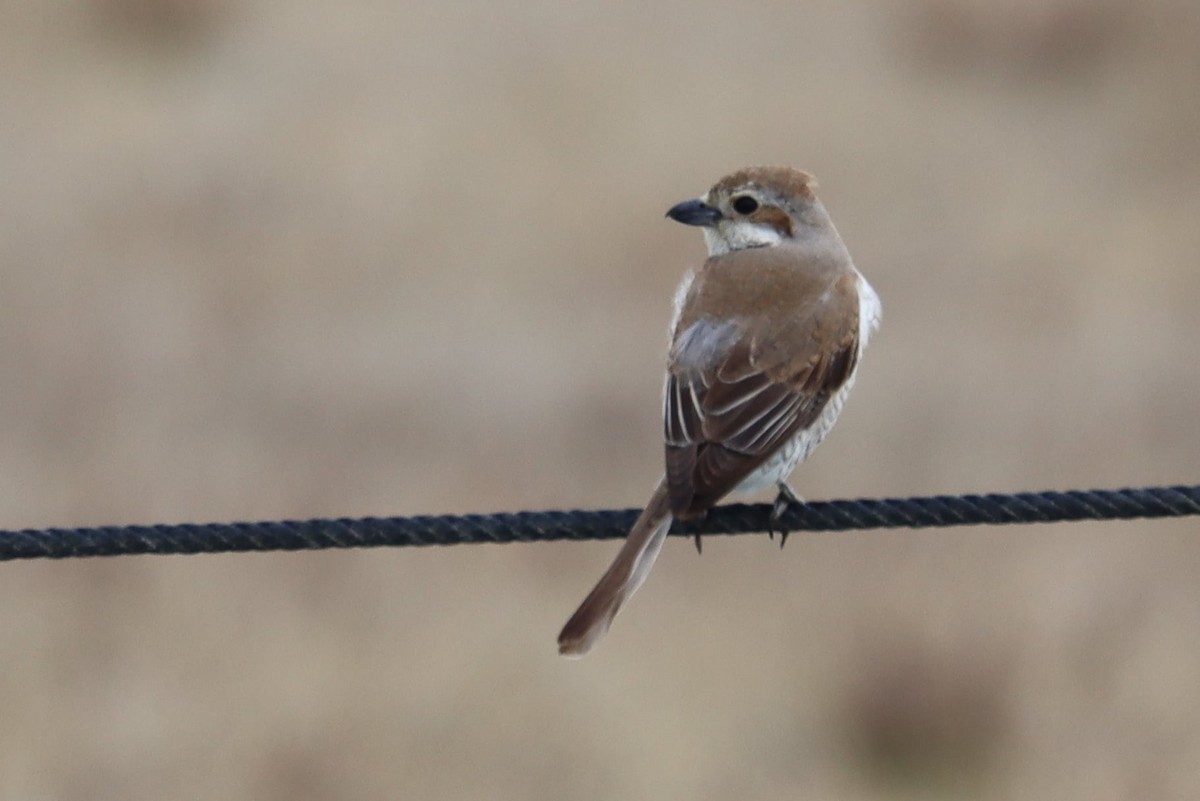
942, 510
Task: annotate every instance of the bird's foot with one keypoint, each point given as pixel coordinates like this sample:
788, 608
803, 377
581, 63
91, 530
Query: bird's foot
783, 500
699, 520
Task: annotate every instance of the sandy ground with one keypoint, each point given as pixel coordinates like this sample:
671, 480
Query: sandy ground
273, 259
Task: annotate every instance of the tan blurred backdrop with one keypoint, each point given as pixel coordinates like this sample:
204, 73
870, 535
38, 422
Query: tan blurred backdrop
270, 259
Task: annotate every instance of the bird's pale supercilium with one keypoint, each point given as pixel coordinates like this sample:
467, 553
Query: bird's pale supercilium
765, 344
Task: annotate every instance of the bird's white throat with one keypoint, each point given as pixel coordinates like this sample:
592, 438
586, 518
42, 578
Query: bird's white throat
731, 235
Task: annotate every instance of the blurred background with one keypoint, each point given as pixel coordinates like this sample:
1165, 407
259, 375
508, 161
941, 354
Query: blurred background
268, 259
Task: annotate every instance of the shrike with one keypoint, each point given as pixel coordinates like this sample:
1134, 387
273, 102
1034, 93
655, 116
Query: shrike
765, 343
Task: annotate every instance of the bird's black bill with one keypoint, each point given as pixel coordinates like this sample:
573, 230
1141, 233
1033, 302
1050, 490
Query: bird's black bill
694, 212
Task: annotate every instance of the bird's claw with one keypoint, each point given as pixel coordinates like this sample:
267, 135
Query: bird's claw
784, 499
700, 526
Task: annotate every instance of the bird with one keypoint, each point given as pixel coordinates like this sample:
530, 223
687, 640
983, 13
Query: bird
766, 339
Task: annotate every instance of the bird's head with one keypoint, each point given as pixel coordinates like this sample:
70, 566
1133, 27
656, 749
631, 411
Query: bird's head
754, 207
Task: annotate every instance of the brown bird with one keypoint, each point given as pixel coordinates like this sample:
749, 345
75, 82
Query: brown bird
765, 344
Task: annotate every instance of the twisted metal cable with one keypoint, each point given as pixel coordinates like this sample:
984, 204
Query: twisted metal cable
942, 510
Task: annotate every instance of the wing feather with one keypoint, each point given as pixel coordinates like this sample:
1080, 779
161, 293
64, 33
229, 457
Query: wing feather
737, 393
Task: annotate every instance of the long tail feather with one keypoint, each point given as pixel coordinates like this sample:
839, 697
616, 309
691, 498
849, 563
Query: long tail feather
622, 579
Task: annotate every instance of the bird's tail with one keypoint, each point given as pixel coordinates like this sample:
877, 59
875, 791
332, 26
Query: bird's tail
622, 579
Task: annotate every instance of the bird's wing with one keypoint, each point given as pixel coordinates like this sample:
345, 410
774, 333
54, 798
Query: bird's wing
739, 388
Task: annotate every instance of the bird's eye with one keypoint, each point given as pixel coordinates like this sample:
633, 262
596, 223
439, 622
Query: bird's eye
745, 204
